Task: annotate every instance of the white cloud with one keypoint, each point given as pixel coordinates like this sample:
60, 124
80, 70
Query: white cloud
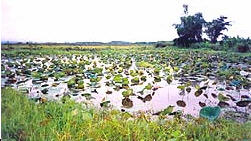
99, 20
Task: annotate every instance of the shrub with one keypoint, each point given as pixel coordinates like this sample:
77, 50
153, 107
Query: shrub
243, 48
207, 45
236, 43
160, 45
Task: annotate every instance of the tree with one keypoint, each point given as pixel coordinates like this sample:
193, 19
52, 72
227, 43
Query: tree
189, 30
214, 28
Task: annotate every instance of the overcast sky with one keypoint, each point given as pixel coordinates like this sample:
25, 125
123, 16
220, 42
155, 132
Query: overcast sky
107, 20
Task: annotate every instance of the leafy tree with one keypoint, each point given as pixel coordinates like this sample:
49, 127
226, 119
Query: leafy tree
189, 30
214, 28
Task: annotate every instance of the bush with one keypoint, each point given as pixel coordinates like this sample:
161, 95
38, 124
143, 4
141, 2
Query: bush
207, 45
237, 44
243, 48
160, 45
202, 45
22, 119
189, 30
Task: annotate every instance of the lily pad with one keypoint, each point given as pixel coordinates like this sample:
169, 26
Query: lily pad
135, 80
143, 78
108, 92
148, 86
71, 83
231, 97
95, 79
221, 97
169, 79
223, 104
80, 86
181, 103
133, 73
147, 98
88, 96
127, 103
198, 93
203, 88
157, 78
127, 93
235, 83
210, 113
156, 71
181, 87
125, 81
117, 78
213, 95
202, 104
144, 64
108, 76
45, 91
105, 104
168, 110
188, 89
245, 97
243, 103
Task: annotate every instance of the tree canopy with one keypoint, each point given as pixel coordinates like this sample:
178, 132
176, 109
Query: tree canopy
215, 27
190, 29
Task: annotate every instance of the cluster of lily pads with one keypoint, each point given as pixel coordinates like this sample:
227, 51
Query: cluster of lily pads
126, 79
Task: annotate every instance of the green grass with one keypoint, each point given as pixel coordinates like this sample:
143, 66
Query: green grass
69, 50
23, 119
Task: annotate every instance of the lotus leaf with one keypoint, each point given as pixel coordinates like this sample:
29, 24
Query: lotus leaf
118, 78
168, 110
148, 86
135, 80
221, 97
181, 87
181, 103
169, 79
143, 78
125, 81
198, 92
144, 64
210, 113
157, 78
71, 82
243, 103
105, 104
127, 103
127, 93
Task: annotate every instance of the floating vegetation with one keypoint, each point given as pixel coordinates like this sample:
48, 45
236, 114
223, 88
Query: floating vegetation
105, 104
198, 92
181, 103
243, 103
166, 111
221, 97
142, 80
127, 93
127, 103
210, 113
223, 104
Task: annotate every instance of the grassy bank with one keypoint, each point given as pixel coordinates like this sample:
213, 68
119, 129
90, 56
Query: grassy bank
22, 119
70, 49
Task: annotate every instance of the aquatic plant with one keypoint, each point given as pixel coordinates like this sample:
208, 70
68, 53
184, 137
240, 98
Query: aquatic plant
210, 113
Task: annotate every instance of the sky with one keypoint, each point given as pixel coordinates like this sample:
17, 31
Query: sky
112, 20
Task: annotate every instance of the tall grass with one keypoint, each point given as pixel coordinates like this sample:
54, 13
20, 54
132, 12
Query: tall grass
23, 119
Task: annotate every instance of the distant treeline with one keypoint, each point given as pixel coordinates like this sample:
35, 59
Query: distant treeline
119, 43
